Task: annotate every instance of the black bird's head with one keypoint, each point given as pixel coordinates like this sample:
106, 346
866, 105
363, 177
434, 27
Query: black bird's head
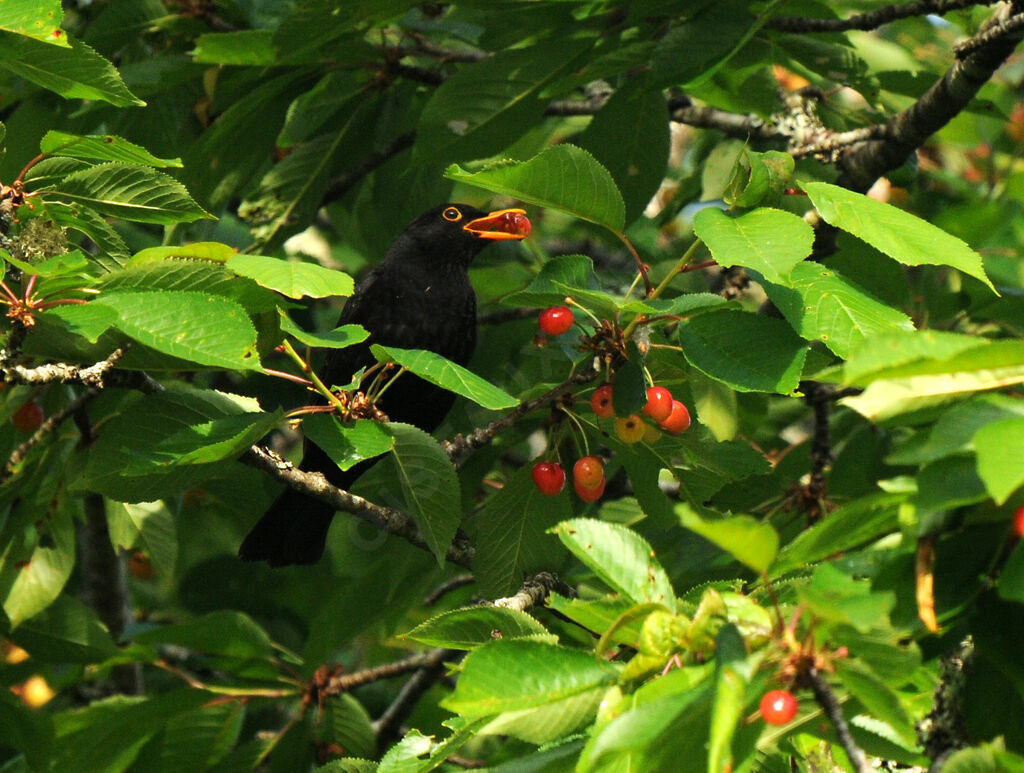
453, 234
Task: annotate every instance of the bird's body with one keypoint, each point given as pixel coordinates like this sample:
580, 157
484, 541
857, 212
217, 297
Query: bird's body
418, 297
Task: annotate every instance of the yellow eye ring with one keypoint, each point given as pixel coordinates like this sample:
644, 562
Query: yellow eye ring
452, 215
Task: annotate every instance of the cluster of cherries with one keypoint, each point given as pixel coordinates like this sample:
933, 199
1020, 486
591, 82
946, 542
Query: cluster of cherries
588, 472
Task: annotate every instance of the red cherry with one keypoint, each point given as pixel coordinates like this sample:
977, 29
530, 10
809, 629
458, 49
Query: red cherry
588, 472
556, 320
630, 429
659, 403
778, 707
28, 417
549, 477
678, 421
589, 494
601, 401
1018, 521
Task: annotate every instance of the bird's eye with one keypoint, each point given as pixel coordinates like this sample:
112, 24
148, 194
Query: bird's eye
452, 214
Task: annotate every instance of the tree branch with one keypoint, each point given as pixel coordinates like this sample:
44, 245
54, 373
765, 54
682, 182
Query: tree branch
906, 131
830, 705
58, 371
461, 446
871, 19
341, 184
388, 726
48, 426
315, 485
533, 592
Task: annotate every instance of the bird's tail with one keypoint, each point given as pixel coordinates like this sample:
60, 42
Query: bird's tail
292, 531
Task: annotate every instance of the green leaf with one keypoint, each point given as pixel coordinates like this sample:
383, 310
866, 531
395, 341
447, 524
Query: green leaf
858, 522
77, 72
749, 541
194, 740
732, 675
510, 534
130, 192
549, 723
567, 275
769, 241
35, 567
141, 423
103, 147
823, 306
67, 631
292, 277
834, 595
987, 365
27, 731
348, 724
339, 338
563, 177
147, 526
211, 251
900, 235
600, 615
254, 48
513, 675
465, 629
39, 19
226, 633
205, 329
717, 343
483, 108
314, 108
430, 487
630, 137
348, 443
108, 734
953, 432
620, 557
1000, 450
693, 51
447, 375
1011, 578
759, 178
878, 698
889, 354
211, 441
73, 263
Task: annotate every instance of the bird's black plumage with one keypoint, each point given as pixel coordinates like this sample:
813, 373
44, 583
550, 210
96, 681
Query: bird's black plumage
418, 297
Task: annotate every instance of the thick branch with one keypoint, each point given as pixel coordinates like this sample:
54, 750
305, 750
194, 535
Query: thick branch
58, 371
733, 124
315, 485
535, 589
906, 131
872, 19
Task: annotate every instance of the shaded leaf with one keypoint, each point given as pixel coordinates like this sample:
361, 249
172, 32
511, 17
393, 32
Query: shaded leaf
348, 443
749, 541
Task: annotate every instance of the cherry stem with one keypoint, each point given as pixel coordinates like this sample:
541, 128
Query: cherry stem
639, 263
585, 310
389, 382
14, 298
30, 287
317, 383
308, 409
29, 165
60, 302
290, 377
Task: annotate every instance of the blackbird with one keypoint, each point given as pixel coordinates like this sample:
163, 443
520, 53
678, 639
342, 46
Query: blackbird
418, 297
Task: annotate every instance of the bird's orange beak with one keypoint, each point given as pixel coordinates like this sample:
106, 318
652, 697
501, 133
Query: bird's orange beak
500, 225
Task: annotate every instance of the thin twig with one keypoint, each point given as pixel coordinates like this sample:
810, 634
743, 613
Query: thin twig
989, 36
46, 428
343, 683
460, 446
872, 19
387, 727
341, 184
830, 705
459, 581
